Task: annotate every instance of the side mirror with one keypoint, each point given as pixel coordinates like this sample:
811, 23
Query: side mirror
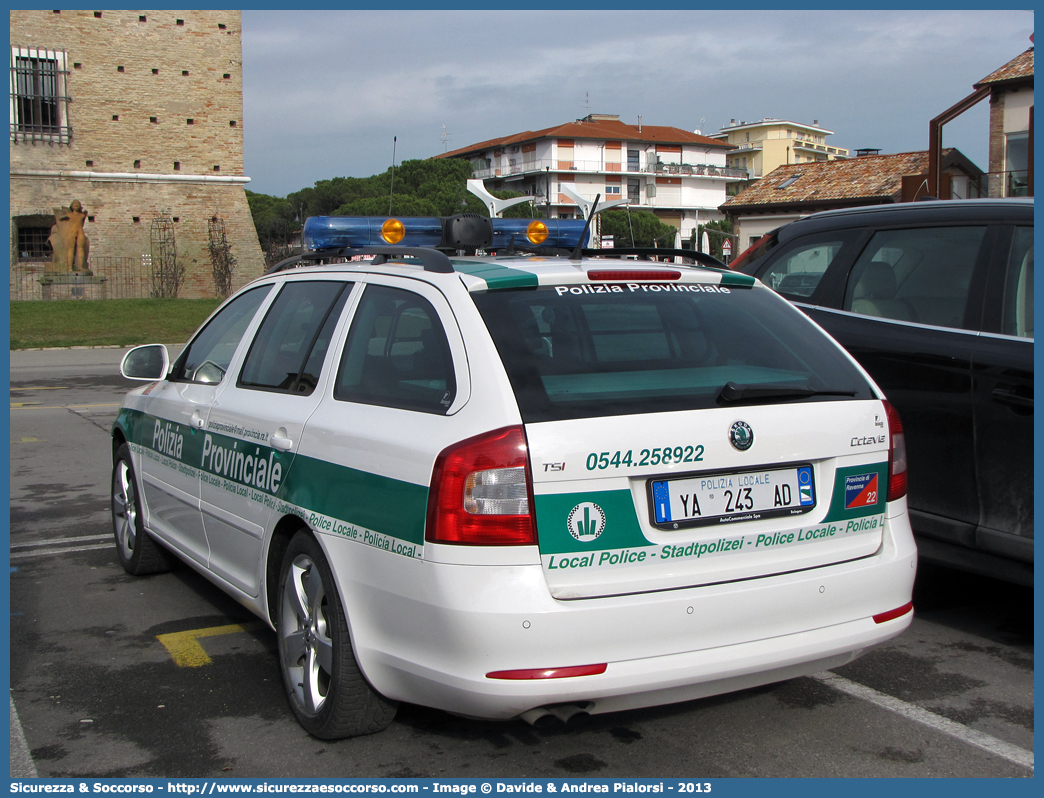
146, 363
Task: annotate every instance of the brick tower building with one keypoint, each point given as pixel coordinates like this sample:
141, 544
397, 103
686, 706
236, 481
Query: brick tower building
138, 115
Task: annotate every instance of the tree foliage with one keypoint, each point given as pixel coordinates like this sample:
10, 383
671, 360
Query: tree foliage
433, 187
723, 225
273, 217
646, 227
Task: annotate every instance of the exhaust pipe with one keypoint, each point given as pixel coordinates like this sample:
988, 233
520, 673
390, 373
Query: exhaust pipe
539, 717
566, 712
542, 717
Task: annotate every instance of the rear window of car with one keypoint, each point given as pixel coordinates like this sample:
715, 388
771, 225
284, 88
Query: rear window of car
657, 348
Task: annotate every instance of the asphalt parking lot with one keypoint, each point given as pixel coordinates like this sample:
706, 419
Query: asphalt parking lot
165, 676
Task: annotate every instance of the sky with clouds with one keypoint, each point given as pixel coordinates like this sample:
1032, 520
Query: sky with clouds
325, 92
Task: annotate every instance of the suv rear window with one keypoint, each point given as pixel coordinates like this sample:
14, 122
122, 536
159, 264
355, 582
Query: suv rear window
656, 348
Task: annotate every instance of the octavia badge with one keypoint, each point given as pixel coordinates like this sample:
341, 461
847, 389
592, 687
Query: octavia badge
741, 435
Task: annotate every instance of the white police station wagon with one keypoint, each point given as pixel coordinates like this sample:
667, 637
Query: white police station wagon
518, 485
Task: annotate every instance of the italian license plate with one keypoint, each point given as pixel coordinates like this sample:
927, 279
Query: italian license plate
729, 497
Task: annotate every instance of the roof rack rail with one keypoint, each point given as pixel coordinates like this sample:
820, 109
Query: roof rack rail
293, 260
701, 258
431, 259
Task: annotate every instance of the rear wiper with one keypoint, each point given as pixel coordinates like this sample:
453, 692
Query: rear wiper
732, 392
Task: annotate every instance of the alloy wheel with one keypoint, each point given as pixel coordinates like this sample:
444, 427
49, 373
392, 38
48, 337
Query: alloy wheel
125, 509
304, 626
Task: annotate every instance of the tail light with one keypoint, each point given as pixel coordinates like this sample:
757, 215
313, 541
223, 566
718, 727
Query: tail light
550, 673
482, 492
896, 455
891, 615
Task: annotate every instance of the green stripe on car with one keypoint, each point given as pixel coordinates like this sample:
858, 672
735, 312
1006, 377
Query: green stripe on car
736, 280
369, 502
382, 504
497, 277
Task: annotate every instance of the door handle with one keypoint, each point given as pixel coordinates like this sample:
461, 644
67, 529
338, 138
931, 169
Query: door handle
281, 441
196, 422
1009, 397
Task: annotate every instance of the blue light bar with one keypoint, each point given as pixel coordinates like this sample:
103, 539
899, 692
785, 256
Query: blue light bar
335, 232
330, 232
561, 233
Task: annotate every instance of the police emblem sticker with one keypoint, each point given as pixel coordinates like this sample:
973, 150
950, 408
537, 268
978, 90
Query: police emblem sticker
586, 522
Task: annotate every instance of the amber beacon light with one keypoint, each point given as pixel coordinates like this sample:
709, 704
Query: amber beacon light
393, 231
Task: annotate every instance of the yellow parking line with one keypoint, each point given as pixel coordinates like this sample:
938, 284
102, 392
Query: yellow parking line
184, 647
44, 388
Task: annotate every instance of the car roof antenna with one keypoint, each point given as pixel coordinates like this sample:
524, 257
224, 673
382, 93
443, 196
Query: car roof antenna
578, 253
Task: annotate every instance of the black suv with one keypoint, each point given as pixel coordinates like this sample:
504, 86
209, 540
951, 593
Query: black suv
935, 300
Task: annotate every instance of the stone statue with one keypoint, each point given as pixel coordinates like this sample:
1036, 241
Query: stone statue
68, 241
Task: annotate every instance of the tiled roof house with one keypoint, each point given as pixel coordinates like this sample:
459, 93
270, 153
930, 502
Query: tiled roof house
795, 190
1018, 70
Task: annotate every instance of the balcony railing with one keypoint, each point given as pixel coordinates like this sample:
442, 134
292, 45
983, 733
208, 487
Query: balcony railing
702, 170
990, 184
804, 145
600, 167
1016, 184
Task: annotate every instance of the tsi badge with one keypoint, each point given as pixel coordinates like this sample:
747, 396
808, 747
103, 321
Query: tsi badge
741, 435
586, 522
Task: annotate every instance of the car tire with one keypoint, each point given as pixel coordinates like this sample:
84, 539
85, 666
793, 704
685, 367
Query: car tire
328, 693
139, 554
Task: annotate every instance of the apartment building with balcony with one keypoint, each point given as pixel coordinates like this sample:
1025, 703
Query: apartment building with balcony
761, 147
679, 175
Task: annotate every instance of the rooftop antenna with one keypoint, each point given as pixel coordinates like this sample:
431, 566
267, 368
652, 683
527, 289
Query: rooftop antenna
579, 251
445, 139
391, 190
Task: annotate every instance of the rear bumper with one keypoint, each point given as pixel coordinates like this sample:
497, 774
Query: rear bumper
432, 638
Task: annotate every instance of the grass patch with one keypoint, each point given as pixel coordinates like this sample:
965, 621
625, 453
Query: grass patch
110, 322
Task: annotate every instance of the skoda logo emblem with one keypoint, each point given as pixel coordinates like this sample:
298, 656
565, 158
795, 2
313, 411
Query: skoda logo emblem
741, 435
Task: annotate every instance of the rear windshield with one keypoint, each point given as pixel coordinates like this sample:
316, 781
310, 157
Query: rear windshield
656, 348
